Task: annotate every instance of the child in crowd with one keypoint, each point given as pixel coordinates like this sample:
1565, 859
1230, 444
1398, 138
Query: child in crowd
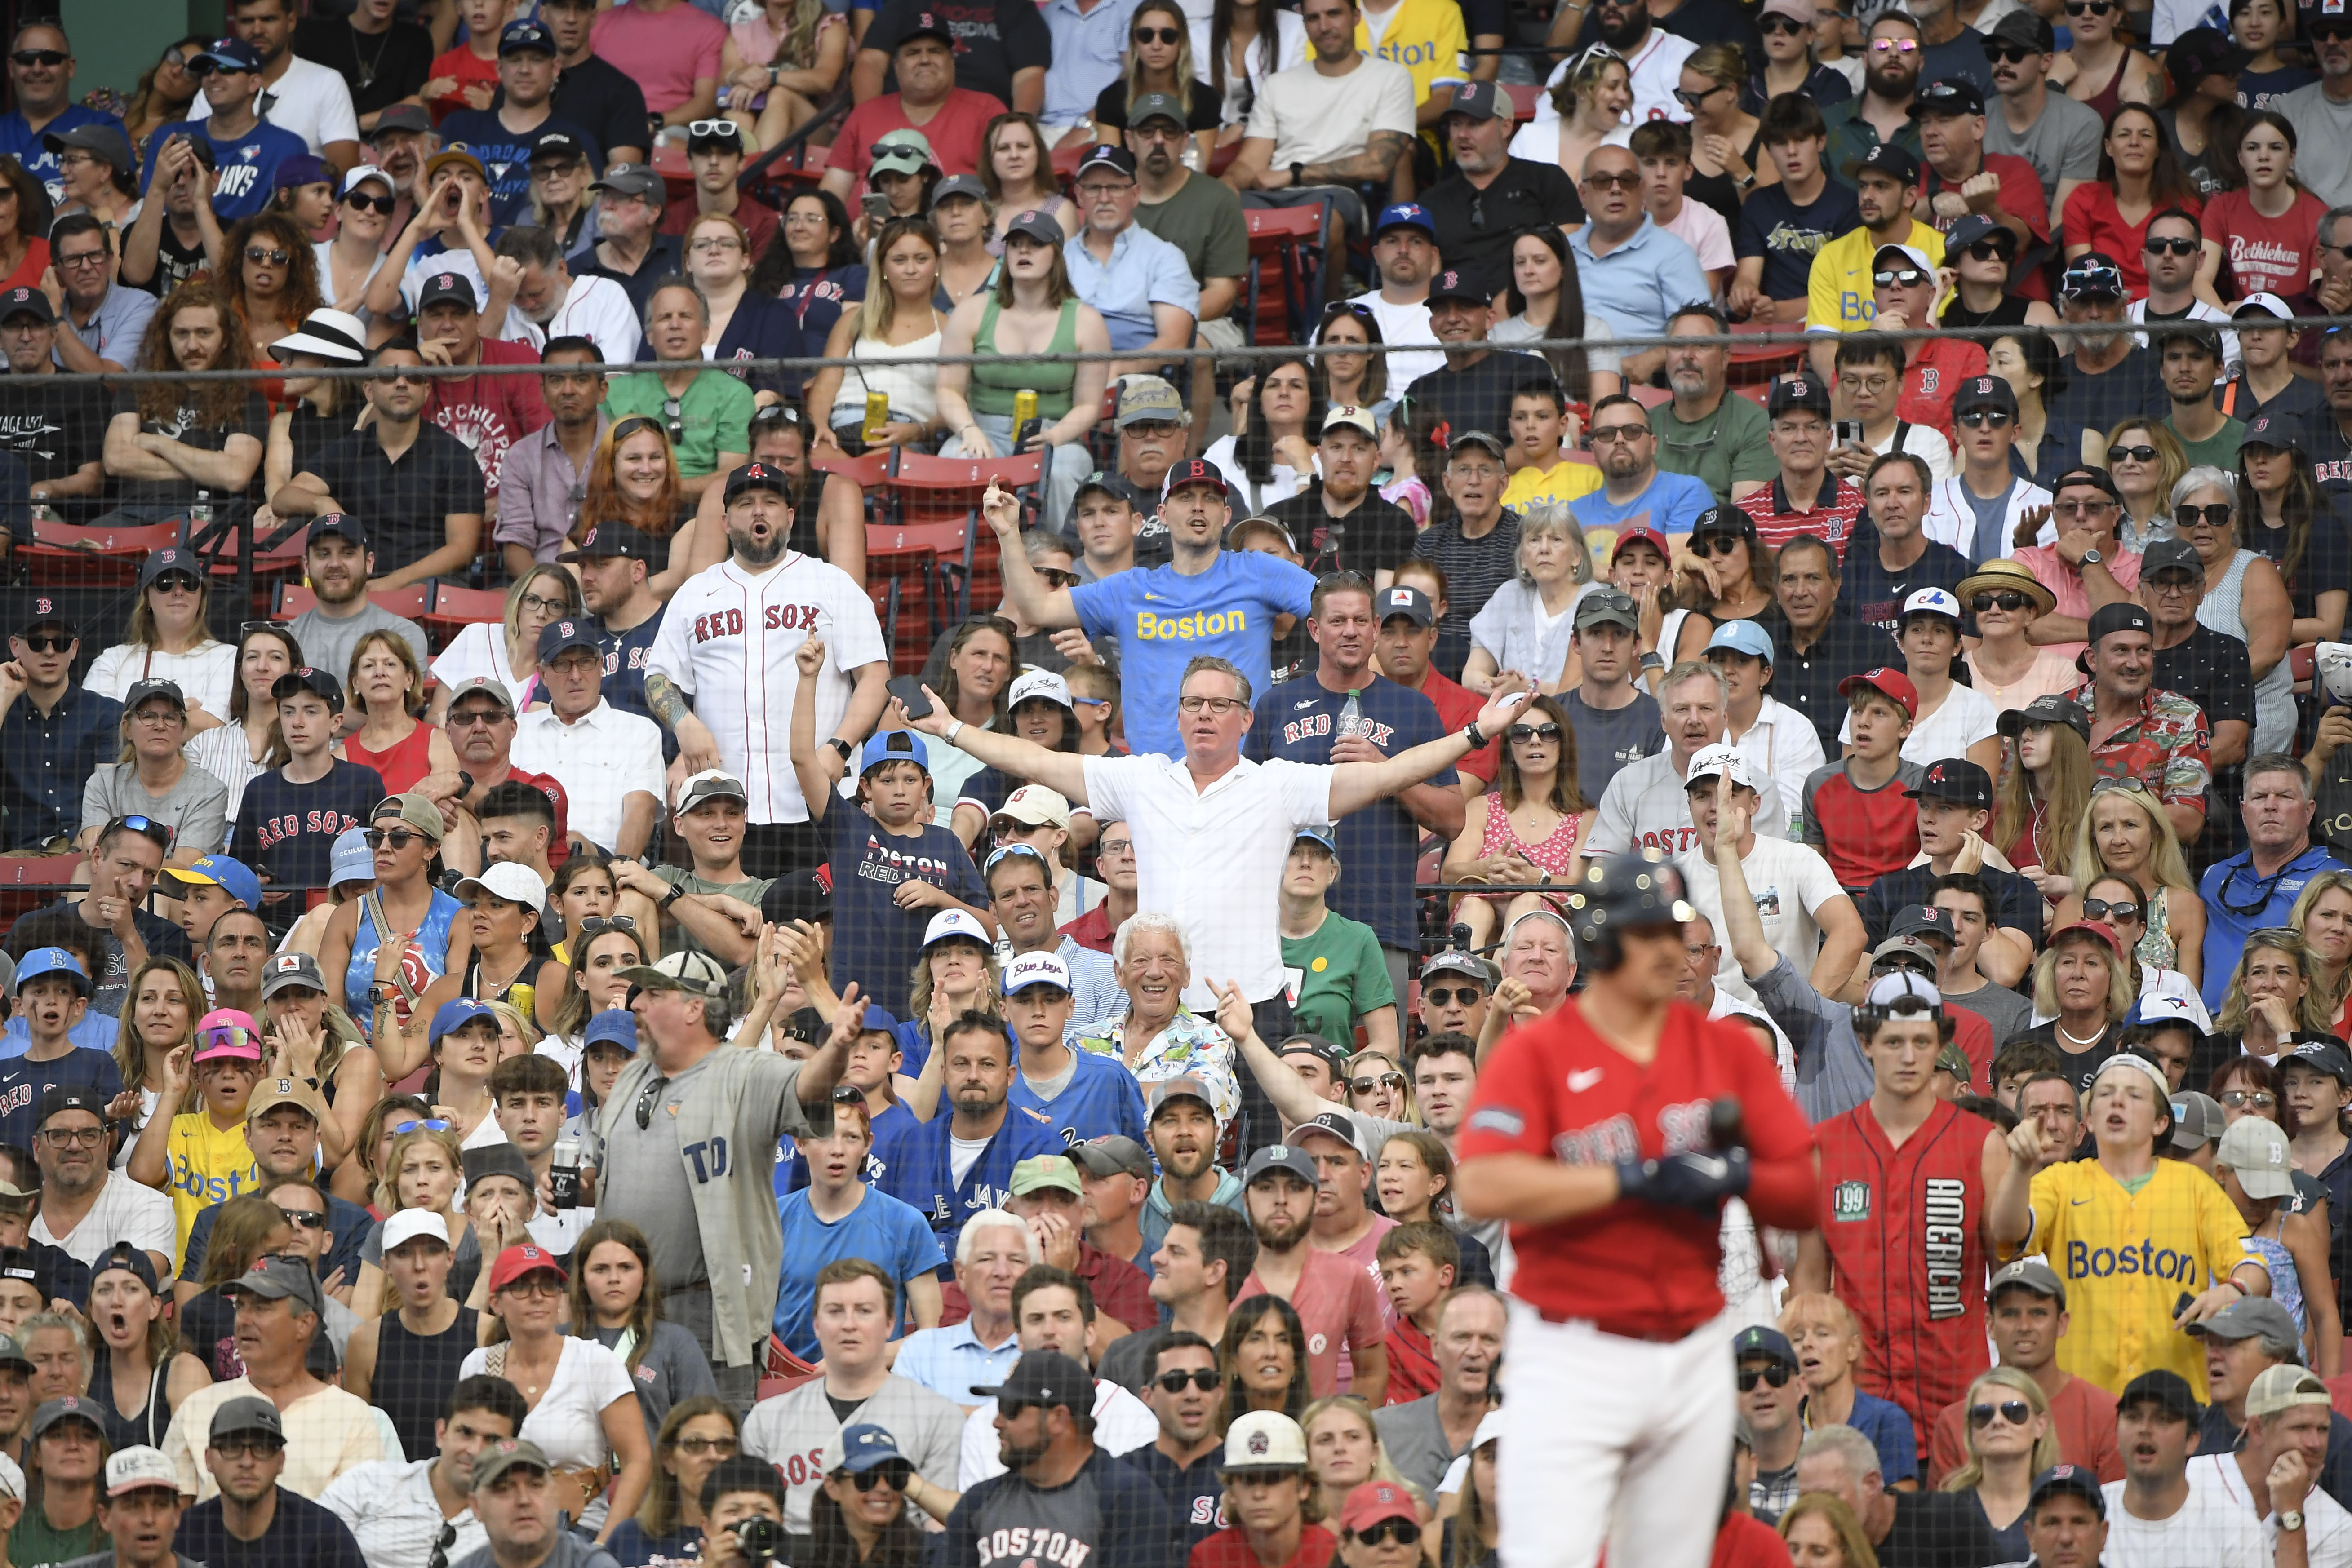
1418, 1261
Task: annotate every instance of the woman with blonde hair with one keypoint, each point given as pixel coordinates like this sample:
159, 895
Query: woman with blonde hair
1828, 1341
2274, 997
891, 336
1016, 170
633, 479
387, 689
667, 1526
779, 63
423, 1170
2044, 788
1377, 1086
2126, 832
1523, 834
1822, 1532
507, 651
2010, 1438
1727, 153
2146, 460
2322, 915
1160, 61
1344, 1451
171, 640
1524, 628
163, 1000
2087, 989
1590, 109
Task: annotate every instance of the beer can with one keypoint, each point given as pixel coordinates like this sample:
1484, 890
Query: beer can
1024, 408
877, 414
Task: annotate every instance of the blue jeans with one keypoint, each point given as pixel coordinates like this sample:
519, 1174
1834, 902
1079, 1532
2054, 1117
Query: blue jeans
1065, 468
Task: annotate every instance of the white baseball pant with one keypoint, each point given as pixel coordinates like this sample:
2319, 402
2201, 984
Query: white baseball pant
1617, 1442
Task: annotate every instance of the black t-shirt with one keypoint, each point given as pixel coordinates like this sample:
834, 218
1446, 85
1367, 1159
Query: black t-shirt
380, 68
1788, 236
407, 501
53, 427
2079, 1066
2016, 903
994, 38
1479, 226
186, 427
600, 99
1206, 113
666, 259
2213, 670
1873, 595
1479, 397
2129, 389
174, 263
1376, 536
2009, 310
1938, 1529
300, 1531
2327, 563
286, 831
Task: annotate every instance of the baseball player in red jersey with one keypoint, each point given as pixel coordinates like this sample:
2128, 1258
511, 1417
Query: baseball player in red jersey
1590, 1133
1907, 1178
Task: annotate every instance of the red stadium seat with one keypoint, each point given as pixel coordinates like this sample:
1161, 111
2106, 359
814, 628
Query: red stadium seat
1525, 96
293, 598
62, 554
1290, 237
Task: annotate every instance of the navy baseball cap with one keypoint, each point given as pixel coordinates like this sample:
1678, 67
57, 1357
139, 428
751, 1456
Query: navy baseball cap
526, 35
1889, 159
1281, 1157
1770, 1344
1405, 215
557, 635
1106, 155
228, 55
2060, 1481
1952, 95
1195, 471
1796, 392
758, 477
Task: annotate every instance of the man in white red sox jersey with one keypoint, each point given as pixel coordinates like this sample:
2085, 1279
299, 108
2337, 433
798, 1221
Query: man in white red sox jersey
727, 641
1590, 1133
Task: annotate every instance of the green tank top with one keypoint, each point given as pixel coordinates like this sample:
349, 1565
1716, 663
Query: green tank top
994, 381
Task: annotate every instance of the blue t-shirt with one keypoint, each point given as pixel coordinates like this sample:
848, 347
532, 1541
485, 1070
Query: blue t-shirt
23, 1080
301, 1531
1101, 1098
1299, 721
880, 1227
1671, 504
1884, 1424
506, 154
2240, 902
791, 1170
919, 1173
875, 942
1162, 621
247, 164
286, 831
632, 1548
29, 147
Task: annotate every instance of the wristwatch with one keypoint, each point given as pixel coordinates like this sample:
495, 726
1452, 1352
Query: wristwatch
2092, 558
672, 896
1298, 175
1653, 661
2290, 1519
841, 746
378, 995
1475, 735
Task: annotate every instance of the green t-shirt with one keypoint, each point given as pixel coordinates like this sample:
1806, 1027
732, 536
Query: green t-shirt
1204, 219
2219, 449
1339, 974
1731, 445
33, 1544
715, 415
751, 890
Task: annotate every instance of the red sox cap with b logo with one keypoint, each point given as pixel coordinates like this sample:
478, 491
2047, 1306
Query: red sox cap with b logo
1454, 284
927, 24
39, 609
1798, 392
23, 301
558, 637
1195, 471
1985, 392
447, 286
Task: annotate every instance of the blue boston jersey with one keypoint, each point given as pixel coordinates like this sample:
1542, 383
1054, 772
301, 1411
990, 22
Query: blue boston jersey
920, 1173
880, 1229
506, 154
247, 164
1102, 1097
1163, 619
23, 1080
28, 146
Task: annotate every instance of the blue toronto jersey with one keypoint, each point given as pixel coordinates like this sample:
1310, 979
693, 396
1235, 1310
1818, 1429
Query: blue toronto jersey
506, 155
247, 164
919, 1172
1101, 1098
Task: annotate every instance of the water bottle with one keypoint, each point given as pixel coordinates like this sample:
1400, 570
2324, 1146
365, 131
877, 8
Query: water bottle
1351, 716
200, 515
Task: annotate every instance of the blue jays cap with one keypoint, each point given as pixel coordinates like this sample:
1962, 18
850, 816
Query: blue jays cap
232, 877
228, 55
893, 746
865, 1445
457, 1013
526, 35
1408, 215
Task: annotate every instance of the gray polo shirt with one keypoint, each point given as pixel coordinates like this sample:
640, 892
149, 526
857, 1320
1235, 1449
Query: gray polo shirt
116, 327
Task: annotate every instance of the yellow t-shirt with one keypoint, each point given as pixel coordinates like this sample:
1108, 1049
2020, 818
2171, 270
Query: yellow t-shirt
209, 1164
2127, 1259
1841, 297
1563, 481
1426, 37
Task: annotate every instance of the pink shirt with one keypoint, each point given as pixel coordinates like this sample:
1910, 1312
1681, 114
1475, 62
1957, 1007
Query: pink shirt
2067, 582
953, 131
663, 51
1338, 1305
1366, 1255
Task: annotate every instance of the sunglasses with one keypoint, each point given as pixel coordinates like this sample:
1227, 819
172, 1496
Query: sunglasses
2214, 515
2136, 454
1993, 250
401, 1129
1055, 578
176, 583
1693, 99
2100, 909
1628, 180
229, 1036
148, 828
892, 1473
2238, 1099
1780, 25
1452, 996
1404, 1532
365, 203
1205, 1378
1715, 544
1776, 1374
597, 925
1894, 45
1157, 36
39, 57
1614, 433
722, 1447
1907, 276
2177, 247
724, 130
1985, 418
2089, 8
2016, 1412
646, 1103
2002, 600
268, 254
304, 1218
398, 838
47, 642
2008, 53
1383, 1080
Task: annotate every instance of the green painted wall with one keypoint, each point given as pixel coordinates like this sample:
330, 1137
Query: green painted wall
116, 40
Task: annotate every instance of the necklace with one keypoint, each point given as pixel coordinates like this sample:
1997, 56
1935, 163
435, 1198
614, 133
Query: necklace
366, 67
2080, 1043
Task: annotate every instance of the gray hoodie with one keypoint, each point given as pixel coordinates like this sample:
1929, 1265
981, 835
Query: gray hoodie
571, 1551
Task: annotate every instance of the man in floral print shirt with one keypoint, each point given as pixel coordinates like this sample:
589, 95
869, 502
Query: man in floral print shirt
2140, 732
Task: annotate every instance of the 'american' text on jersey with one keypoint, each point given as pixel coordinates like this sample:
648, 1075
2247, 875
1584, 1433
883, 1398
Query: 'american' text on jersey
1946, 1245
779, 618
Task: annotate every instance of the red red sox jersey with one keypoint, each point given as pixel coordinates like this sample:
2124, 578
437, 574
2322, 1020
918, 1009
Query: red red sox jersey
1906, 1237
1556, 1089
726, 640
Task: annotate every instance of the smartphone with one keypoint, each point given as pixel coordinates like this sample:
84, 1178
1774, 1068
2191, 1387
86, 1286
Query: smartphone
877, 207
908, 689
1847, 432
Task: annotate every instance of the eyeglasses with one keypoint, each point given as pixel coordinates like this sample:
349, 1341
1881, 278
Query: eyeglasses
159, 717
1715, 544
646, 1103
722, 1447
1220, 707
79, 259
2100, 909
1404, 1532
402, 1129
2016, 1412
1373, 1084
398, 838
539, 1282
1894, 45
1625, 180
1998, 600
1985, 419
147, 827
1452, 996
267, 254
1526, 732
303, 1218
1158, 35
597, 925
473, 718
2238, 1099
1112, 847
2133, 454
2176, 246
1693, 99
1205, 1378
2213, 514
2009, 53
73, 1137
545, 605
1776, 1375
39, 57
2099, 509
1615, 433
1901, 277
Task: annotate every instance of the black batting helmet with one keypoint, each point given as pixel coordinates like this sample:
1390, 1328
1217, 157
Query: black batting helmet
1622, 893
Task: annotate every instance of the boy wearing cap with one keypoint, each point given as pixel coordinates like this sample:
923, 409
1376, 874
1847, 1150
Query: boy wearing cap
2189, 358
2263, 381
503, 134
1858, 812
1081, 1094
50, 992
201, 1158
1267, 1488
1948, 719
289, 817
245, 148
1955, 806
710, 819
1980, 511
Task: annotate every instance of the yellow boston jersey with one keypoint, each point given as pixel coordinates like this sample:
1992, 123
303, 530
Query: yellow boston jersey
1561, 482
2128, 1259
1424, 36
209, 1164
1841, 297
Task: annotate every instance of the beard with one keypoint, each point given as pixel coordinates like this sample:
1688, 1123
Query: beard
1282, 1238
754, 551
1622, 30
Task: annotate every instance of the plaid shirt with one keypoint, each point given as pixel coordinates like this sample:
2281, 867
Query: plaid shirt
2167, 748
1779, 519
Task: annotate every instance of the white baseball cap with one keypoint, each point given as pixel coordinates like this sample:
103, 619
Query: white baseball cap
948, 922
1264, 1440
1932, 601
1888, 990
406, 1225
1033, 806
1036, 969
1712, 760
12, 1478
1044, 684
131, 1469
515, 884
2256, 1150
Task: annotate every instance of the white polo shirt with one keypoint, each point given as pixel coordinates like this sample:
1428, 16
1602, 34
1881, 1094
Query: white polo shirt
1951, 519
600, 760
311, 100
1213, 858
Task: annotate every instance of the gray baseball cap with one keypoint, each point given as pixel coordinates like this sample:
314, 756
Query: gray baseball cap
2029, 1274
2256, 1317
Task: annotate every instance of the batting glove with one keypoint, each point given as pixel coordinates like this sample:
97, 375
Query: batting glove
1686, 1181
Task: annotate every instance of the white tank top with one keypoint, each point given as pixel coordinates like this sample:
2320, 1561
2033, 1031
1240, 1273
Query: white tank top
901, 371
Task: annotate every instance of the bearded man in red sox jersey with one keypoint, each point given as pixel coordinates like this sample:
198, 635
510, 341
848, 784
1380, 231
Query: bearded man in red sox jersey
1903, 1240
1589, 1133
